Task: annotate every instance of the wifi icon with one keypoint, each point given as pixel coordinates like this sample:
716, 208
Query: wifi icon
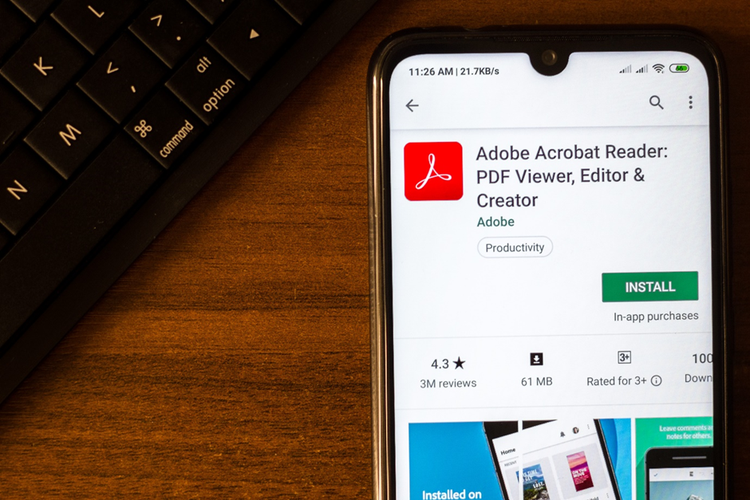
659, 68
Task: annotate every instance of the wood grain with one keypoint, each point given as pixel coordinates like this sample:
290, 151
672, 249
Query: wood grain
232, 359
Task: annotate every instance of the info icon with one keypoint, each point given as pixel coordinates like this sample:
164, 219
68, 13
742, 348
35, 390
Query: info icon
433, 171
537, 358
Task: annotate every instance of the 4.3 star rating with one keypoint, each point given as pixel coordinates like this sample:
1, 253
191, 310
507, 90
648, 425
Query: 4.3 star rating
445, 363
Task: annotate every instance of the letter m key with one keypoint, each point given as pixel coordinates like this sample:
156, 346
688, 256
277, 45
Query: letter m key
69, 134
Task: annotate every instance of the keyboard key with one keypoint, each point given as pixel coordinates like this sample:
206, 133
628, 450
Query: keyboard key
254, 32
33, 8
211, 9
165, 128
69, 133
44, 64
27, 183
16, 116
207, 84
93, 22
12, 27
169, 28
71, 227
300, 10
123, 77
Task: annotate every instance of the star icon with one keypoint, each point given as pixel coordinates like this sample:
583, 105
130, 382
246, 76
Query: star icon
459, 363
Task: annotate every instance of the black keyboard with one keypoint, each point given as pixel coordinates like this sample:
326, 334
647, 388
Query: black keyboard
113, 114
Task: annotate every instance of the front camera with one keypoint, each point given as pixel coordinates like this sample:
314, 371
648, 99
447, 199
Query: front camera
549, 57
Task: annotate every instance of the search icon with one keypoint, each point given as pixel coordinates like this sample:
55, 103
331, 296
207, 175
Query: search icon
656, 101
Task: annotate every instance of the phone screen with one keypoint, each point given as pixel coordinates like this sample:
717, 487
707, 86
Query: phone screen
682, 473
690, 484
558, 459
551, 257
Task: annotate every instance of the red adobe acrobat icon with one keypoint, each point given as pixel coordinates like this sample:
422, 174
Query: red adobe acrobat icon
433, 171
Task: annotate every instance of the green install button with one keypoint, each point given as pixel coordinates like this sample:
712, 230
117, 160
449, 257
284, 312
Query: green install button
637, 287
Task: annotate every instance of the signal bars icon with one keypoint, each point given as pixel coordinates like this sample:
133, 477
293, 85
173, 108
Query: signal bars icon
659, 68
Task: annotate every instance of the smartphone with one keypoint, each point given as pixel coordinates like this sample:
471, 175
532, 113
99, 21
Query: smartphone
548, 244
684, 473
560, 459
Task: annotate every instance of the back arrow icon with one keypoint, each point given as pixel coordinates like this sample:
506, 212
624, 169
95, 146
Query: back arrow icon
409, 105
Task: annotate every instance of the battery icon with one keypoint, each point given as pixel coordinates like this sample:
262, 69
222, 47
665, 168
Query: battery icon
679, 68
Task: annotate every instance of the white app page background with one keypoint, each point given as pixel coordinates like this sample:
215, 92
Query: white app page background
454, 301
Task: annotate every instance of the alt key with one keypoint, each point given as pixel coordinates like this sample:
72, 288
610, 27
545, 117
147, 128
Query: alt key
207, 84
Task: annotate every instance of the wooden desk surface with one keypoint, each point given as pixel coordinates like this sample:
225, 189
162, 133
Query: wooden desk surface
232, 359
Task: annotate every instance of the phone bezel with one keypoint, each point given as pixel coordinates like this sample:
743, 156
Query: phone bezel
533, 41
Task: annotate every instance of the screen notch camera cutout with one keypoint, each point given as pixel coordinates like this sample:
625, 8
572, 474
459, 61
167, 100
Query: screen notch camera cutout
549, 61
